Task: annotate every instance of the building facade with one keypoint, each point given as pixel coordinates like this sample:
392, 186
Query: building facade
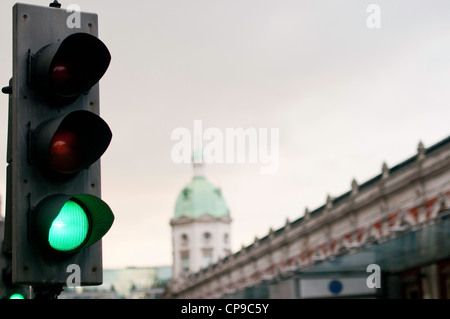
201, 226
388, 237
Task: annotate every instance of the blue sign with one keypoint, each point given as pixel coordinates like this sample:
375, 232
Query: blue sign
335, 286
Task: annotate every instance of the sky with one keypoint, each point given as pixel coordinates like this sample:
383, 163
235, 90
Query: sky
345, 98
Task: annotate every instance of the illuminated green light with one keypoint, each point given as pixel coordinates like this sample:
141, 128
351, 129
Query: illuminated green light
17, 296
69, 229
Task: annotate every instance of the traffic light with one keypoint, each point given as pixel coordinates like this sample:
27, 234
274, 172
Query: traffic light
7, 289
64, 224
55, 140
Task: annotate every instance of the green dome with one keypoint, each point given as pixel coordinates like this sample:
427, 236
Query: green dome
200, 197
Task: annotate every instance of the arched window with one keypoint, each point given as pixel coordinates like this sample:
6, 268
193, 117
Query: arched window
184, 239
207, 236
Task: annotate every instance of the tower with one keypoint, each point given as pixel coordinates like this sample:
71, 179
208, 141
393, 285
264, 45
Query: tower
201, 224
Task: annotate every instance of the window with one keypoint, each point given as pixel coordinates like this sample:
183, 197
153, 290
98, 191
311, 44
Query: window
184, 239
207, 255
185, 261
226, 238
207, 236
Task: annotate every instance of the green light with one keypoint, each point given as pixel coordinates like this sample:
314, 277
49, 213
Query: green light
17, 296
70, 228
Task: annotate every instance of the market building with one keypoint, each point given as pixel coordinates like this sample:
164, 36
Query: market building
388, 237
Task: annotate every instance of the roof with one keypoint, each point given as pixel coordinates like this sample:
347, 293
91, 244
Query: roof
199, 198
402, 165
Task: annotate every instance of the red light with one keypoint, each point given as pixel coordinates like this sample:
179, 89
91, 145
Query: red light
60, 74
64, 77
65, 151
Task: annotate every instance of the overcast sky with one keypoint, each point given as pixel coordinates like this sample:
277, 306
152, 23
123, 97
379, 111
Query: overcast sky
344, 97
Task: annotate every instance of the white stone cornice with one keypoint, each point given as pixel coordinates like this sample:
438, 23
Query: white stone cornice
205, 218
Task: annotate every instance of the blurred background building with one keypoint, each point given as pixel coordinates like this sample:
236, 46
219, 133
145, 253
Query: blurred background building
129, 283
398, 221
201, 226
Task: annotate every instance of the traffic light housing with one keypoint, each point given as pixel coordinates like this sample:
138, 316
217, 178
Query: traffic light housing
70, 143
64, 224
68, 68
55, 140
7, 289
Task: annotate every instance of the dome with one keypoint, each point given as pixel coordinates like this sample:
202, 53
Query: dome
200, 197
